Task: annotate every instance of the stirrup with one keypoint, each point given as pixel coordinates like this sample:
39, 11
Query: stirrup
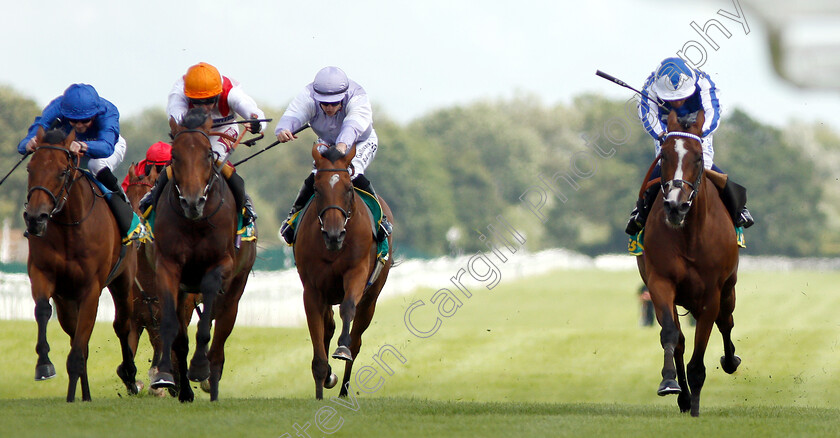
385, 229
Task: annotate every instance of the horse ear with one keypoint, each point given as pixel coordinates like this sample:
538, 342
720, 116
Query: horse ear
173, 126
39, 135
351, 153
698, 123
208, 123
316, 153
70, 138
131, 172
673, 124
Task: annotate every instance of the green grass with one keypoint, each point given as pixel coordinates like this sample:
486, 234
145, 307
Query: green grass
555, 355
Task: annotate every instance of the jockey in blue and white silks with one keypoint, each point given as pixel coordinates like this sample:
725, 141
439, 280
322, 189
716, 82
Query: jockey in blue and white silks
674, 86
339, 112
686, 91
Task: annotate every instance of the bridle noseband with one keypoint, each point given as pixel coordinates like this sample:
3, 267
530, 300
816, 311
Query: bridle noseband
68, 181
679, 183
347, 213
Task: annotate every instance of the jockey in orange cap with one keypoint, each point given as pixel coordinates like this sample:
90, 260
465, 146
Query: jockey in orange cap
223, 98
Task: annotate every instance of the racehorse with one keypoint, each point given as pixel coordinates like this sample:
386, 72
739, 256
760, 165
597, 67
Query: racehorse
335, 254
75, 250
690, 259
195, 252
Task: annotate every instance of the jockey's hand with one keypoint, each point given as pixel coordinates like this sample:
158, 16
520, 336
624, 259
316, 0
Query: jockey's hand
342, 147
30, 145
285, 135
78, 147
256, 126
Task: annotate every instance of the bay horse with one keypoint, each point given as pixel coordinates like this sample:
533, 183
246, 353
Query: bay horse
336, 253
146, 313
195, 252
690, 259
75, 251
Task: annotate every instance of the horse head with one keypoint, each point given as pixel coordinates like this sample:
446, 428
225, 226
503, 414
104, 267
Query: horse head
682, 167
139, 185
51, 173
193, 170
334, 197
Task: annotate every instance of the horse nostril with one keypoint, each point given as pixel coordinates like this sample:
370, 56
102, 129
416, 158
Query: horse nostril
684, 207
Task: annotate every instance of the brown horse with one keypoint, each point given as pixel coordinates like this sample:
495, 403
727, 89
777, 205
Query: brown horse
335, 253
691, 260
195, 246
75, 251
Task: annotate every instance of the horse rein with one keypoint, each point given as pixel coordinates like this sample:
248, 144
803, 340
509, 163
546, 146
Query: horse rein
67, 183
679, 183
347, 213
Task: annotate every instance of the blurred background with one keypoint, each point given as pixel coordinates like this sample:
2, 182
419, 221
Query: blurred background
475, 104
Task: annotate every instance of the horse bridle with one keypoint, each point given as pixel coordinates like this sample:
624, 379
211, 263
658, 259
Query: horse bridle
679, 183
213, 177
347, 214
67, 183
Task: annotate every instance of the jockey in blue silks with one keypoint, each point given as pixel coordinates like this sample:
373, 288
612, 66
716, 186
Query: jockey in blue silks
339, 111
97, 125
685, 90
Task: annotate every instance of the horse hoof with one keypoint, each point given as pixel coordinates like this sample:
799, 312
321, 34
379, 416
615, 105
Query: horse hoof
139, 385
331, 380
205, 386
130, 384
730, 368
163, 380
199, 373
343, 353
667, 387
44, 372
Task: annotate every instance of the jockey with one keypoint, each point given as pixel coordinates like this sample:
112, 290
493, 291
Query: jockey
685, 90
97, 125
158, 154
223, 98
339, 112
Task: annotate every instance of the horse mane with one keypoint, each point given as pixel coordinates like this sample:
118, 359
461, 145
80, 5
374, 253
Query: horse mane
332, 154
195, 118
54, 136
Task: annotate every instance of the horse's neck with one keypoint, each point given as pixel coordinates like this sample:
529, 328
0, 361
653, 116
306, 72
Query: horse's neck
80, 198
698, 214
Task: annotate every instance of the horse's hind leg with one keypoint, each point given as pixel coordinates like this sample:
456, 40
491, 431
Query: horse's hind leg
729, 361
44, 368
684, 398
126, 330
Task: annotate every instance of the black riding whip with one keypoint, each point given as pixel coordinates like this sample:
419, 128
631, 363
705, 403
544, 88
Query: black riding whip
25, 156
270, 146
615, 80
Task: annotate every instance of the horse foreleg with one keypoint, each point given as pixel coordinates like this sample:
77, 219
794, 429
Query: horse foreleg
364, 316
164, 377
211, 285
696, 369
329, 331
729, 361
315, 313
77, 359
181, 348
44, 368
225, 319
353, 289
668, 338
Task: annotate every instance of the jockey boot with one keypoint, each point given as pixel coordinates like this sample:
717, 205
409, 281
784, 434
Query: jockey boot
122, 210
385, 227
306, 192
150, 199
107, 178
237, 186
639, 215
734, 197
